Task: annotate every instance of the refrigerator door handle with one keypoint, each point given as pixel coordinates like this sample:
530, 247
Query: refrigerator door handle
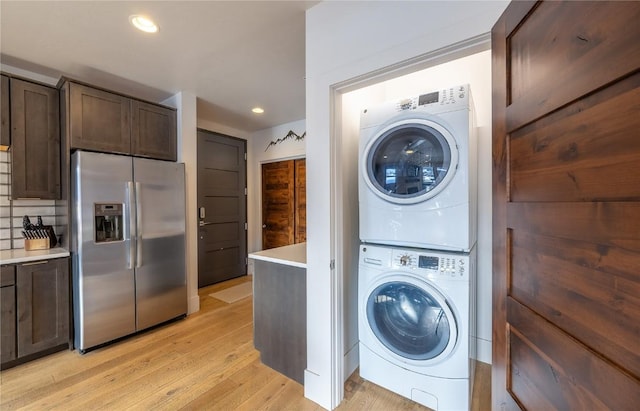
128, 221
138, 225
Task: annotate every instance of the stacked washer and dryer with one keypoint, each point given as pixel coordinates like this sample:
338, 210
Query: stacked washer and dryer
418, 217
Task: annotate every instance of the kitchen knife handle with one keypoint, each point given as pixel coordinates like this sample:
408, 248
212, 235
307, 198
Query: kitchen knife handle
131, 253
138, 225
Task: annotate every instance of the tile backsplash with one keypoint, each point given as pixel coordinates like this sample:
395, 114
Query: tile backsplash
12, 211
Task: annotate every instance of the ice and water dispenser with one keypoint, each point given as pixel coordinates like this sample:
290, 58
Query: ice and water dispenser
108, 223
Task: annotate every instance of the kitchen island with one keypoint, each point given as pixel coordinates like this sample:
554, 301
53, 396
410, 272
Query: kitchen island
280, 308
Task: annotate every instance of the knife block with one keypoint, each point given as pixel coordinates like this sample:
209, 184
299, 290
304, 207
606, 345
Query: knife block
31, 244
36, 244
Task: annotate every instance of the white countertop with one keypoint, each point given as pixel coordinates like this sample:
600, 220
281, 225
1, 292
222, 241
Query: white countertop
294, 255
20, 255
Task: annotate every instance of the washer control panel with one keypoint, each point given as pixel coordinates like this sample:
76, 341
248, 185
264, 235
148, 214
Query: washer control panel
432, 263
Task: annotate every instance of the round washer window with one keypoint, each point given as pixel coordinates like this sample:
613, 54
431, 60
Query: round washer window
411, 161
410, 321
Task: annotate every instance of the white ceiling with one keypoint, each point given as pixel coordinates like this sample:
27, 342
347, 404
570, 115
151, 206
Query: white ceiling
233, 55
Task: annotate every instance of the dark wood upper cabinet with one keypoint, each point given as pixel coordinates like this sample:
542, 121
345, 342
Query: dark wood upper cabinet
100, 121
112, 123
5, 131
153, 131
35, 140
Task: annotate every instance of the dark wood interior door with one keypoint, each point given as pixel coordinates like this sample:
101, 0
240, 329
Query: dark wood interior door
222, 202
566, 219
278, 204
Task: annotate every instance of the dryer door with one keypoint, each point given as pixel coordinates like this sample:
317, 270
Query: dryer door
413, 322
410, 161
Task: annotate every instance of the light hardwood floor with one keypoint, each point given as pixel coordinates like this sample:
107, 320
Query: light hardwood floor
206, 361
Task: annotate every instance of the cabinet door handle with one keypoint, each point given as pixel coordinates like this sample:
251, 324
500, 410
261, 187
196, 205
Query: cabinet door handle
35, 263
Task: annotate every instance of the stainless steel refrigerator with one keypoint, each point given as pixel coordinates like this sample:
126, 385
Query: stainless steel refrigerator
128, 245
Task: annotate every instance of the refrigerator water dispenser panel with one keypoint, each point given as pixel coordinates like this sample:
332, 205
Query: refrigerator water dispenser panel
108, 223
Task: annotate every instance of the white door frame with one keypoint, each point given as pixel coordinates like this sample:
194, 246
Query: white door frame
338, 243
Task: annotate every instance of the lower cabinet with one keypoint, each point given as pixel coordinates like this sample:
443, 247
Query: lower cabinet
40, 320
280, 317
8, 314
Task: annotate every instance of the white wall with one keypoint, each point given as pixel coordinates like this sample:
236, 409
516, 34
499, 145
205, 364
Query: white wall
222, 129
345, 42
258, 154
185, 102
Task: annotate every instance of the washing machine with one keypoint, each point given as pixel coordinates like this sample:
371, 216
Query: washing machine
416, 320
418, 171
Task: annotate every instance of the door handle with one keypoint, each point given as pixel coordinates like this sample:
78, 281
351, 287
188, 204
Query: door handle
129, 225
202, 223
264, 226
138, 225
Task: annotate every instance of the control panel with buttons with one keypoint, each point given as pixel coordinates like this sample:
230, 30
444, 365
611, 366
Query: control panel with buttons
432, 264
444, 98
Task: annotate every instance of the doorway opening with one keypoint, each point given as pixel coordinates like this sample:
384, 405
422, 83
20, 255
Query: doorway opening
461, 63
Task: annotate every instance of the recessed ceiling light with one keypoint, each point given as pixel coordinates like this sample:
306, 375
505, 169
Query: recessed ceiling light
258, 110
143, 23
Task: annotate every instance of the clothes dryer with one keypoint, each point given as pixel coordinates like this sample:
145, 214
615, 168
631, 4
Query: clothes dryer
415, 323
418, 171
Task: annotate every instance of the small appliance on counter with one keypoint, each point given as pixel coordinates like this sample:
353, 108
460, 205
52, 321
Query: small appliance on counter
39, 236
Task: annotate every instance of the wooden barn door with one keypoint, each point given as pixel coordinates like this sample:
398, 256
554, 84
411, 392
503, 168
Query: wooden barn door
566, 153
300, 205
284, 202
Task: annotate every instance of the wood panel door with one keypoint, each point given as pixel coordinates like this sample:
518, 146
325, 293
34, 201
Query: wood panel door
284, 203
278, 204
35, 141
300, 166
222, 202
566, 218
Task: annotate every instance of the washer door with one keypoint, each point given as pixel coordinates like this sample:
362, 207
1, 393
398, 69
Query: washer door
410, 161
413, 322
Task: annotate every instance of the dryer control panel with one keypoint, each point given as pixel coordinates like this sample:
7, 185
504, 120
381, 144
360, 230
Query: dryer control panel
453, 96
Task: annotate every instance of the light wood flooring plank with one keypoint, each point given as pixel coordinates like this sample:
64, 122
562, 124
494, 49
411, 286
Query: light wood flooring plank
206, 361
